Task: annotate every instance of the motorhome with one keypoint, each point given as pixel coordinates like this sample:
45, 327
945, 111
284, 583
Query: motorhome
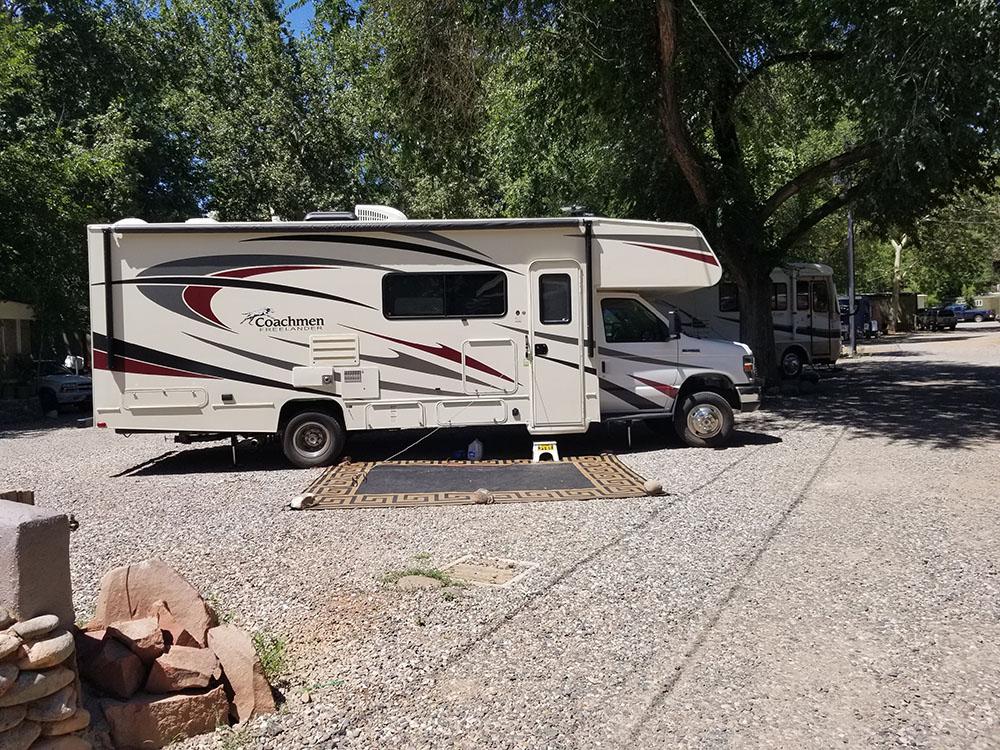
804, 311
310, 330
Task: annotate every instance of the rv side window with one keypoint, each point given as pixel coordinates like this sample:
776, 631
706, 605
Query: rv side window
444, 295
779, 296
729, 300
802, 295
627, 321
554, 293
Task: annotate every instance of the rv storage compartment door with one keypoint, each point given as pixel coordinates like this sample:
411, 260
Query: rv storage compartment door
498, 355
349, 382
165, 400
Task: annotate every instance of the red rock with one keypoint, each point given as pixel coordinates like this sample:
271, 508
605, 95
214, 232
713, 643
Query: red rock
142, 637
241, 672
114, 669
89, 643
149, 721
133, 591
183, 667
173, 632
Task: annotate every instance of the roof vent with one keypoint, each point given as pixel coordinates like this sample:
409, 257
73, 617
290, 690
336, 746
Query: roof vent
331, 216
378, 213
202, 220
130, 221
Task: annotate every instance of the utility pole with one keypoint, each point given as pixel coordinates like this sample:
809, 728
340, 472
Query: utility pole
850, 282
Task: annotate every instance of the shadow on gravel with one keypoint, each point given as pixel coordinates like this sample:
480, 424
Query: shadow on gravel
498, 442
38, 426
937, 404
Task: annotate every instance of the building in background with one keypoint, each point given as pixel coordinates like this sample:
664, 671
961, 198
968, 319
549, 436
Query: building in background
16, 320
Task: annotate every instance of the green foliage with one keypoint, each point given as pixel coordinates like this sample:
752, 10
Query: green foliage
271, 652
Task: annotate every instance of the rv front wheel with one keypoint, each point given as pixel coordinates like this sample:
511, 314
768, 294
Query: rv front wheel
312, 439
705, 420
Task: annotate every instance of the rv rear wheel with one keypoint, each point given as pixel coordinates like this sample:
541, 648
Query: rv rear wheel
705, 420
312, 439
791, 363
978, 318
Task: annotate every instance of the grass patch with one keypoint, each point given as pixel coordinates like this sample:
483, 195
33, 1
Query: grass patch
394, 575
234, 739
422, 556
271, 652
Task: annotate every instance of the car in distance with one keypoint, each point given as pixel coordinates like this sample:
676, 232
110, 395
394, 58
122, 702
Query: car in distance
969, 314
60, 387
936, 319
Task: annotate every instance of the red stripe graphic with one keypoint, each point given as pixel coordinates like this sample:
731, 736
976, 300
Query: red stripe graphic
443, 351
199, 299
692, 254
242, 273
669, 390
137, 367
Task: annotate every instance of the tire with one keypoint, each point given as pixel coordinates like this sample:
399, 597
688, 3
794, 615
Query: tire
791, 363
312, 439
704, 420
49, 401
978, 318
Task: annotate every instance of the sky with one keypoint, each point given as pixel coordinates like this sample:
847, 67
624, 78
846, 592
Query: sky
299, 18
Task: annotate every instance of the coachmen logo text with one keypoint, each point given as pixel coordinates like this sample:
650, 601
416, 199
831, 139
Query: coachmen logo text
267, 320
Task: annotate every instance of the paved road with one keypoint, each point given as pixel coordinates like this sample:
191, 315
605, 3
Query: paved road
830, 580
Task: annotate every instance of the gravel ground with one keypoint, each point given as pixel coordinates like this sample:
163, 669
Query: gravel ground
832, 579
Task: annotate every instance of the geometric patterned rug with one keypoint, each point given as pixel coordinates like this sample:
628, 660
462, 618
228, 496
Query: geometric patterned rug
408, 484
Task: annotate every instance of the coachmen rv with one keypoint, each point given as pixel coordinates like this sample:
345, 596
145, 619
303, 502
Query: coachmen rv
804, 313
313, 329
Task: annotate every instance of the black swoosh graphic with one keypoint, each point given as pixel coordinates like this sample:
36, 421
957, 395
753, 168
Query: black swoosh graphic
263, 358
262, 286
376, 242
629, 397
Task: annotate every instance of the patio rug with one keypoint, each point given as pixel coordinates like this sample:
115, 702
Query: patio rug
420, 483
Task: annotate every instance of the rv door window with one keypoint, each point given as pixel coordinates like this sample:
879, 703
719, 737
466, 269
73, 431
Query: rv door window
729, 300
444, 295
802, 295
554, 293
821, 297
779, 296
628, 321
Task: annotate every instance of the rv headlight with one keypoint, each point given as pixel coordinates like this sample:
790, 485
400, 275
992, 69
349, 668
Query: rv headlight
749, 366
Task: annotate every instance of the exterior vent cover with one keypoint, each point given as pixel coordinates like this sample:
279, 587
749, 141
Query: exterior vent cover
353, 376
378, 213
334, 350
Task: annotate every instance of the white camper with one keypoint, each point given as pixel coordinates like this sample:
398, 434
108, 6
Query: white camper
804, 311
371, 321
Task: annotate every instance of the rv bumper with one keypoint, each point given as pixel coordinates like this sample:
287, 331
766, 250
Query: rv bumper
749, 397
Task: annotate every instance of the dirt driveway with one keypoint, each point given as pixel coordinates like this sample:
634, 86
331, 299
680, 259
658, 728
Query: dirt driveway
832, 579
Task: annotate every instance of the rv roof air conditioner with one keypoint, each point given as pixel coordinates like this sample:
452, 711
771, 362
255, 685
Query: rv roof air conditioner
378, 213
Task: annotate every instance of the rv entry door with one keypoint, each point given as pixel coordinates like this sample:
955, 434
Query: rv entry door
555, 345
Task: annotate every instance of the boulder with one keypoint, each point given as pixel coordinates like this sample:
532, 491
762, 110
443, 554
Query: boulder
6, 618
30, 685
149, 721
54, 649
88, 643
66, 742
174, 633
133, 591
181, 668
34, 563
114, 669
11, 716
20, 737
8, 673
9, 643
36, 627
76, 722
142, 637
56, 707
241, 672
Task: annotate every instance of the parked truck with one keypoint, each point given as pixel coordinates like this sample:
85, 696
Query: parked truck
968, 314
311, 330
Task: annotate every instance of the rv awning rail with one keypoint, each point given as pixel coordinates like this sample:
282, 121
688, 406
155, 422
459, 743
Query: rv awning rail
312, 227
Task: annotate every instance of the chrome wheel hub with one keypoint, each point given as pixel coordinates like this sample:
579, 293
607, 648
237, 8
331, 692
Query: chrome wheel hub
705, 421
311, 439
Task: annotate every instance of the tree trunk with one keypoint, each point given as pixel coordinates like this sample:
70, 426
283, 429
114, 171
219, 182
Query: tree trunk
756, 322
897, 279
